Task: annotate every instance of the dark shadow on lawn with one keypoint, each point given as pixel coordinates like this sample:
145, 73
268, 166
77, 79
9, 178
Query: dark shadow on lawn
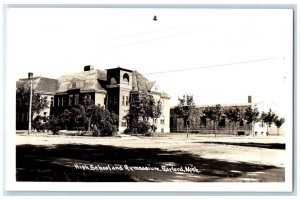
56, 163
251, 144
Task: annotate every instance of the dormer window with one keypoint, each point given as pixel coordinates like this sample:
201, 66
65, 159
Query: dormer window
74, 84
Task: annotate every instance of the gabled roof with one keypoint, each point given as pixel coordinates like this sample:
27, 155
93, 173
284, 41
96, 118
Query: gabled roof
150, 85
144, 85
89, 80
40, 84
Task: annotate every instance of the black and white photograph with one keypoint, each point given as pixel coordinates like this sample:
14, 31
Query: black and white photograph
171, 95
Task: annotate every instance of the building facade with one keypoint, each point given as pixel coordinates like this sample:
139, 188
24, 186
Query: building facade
46, 87
113, 89
199, 123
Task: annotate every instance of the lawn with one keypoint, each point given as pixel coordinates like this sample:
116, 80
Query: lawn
163, 158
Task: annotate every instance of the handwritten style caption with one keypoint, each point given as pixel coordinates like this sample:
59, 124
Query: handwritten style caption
115, 167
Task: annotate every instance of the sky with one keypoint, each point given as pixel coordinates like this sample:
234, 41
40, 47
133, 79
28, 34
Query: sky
216, 55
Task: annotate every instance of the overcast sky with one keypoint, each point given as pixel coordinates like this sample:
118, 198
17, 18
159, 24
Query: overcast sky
218, 55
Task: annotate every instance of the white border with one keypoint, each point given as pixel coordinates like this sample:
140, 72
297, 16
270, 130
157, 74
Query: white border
210, 187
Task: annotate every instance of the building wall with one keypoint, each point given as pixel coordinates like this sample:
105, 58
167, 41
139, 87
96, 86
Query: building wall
62, 101
22, 118
100, 99
165, 116
46, 111
123, 108
200, 124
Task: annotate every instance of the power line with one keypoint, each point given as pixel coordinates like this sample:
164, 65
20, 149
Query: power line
209, 66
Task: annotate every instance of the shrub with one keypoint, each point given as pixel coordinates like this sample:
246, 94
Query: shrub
38, 123
127, 131
143, 127
54, 125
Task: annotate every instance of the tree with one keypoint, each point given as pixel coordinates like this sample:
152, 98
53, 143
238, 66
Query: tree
54, 125
22, 101
184, 109
91, 116
213, 114
103, 122
66, 118
39, 123
278, 123
88, 108
234, 115
268, 118
145, 108
252, 116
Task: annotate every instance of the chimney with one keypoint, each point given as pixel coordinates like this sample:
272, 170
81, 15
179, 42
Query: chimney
249, 99
88, 68
30, 75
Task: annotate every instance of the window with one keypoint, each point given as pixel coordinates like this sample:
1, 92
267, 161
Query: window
52, 102
241, 123
45, 115
74, 84
62, 101
154, 121
126, 79
70, 100
124, 121
134, 98
203, 121
109, 100
123, 100
115, 100
76, 99
162, 130
162, 120
222, 122
127, 100
58, 101
113, 81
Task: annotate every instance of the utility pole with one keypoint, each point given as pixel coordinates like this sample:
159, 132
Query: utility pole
30, 107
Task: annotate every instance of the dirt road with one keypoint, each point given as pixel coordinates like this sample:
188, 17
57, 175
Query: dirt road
171, 157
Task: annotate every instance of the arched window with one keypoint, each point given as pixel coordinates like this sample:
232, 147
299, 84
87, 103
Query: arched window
113, 81
126, 78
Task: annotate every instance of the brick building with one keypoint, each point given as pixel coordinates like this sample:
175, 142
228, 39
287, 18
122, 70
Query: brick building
111, 88
46, 87
199, 123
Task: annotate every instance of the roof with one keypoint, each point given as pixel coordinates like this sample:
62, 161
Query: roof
122, 68
40, 84
92, 80
85, 81
144, 85
225, 105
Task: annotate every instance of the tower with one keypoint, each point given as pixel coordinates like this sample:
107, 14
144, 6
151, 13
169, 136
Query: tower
119, 86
